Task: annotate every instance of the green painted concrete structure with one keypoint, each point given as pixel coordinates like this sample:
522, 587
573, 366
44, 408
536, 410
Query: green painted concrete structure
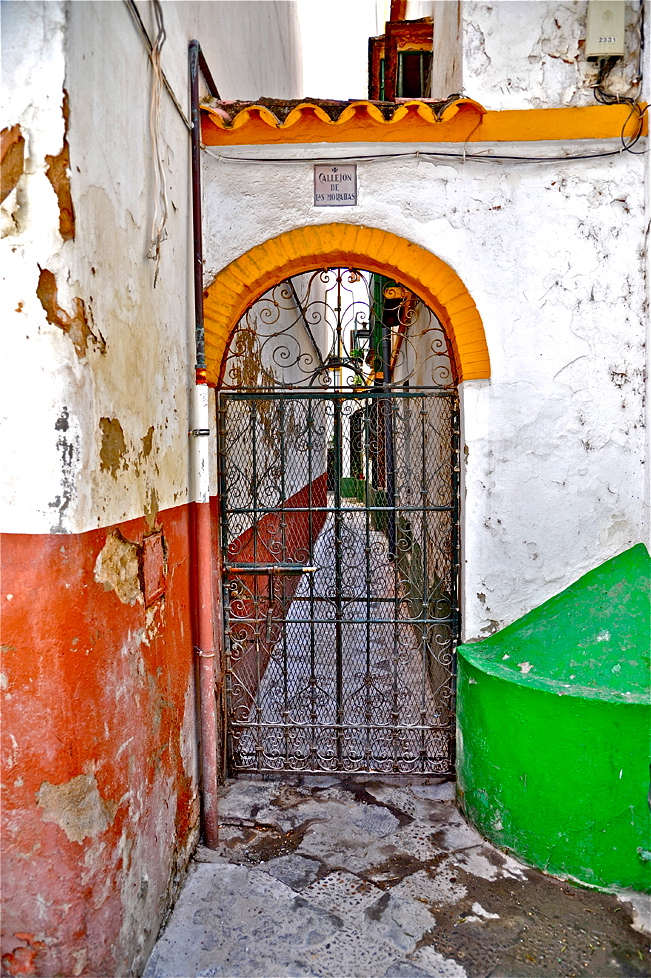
554, 717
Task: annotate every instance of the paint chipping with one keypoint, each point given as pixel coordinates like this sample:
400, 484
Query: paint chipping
76, 807
80, 961
479, 910
68, 449
187, 738
22, 960
76, 326
58, 173
114, 448
118, 568
640, 906
12, 159
151, 509
147, 442
153, 567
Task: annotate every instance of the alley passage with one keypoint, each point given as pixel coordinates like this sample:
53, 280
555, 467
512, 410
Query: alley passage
338, 453
348, 682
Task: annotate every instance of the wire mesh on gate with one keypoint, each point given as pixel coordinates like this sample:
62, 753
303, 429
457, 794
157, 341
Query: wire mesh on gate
339, 485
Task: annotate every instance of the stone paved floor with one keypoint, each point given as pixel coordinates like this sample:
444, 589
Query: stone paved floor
356, 877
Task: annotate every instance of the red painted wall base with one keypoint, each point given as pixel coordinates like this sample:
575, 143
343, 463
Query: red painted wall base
99, 744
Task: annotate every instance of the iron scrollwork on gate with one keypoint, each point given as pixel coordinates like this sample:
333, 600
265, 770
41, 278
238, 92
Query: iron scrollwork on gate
338, 452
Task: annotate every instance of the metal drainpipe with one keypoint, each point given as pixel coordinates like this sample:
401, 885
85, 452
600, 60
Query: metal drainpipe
200, 462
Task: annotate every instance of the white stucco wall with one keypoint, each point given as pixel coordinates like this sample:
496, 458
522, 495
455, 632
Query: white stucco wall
515, 54
32, 91
66, 469
555, 478
521, 54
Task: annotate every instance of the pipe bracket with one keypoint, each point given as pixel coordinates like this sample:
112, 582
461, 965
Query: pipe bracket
202, 654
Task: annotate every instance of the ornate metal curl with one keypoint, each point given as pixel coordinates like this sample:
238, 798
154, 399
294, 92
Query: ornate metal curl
331, 329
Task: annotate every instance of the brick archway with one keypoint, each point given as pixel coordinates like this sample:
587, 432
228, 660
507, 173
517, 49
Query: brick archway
239, 284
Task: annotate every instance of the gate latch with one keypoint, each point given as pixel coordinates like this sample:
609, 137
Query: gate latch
269, 569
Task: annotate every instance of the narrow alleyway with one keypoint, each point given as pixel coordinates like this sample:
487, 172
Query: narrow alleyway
386, 695
356, 877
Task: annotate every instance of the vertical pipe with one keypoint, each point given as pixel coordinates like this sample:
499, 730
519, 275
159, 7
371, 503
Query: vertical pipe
197, 64
197, 256
204, 612
204, 615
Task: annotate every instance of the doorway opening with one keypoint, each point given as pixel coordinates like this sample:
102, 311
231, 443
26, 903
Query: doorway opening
338, 427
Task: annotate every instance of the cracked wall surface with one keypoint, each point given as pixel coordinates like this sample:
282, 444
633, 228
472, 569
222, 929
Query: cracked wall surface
99, 746
555, 476
100, 800
528, 54
81, 310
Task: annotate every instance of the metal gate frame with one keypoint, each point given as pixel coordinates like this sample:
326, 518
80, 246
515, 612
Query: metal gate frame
260, 589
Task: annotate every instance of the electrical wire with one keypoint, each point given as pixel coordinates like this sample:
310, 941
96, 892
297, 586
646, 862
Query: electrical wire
601, 95
137, 19
605, 97
427, 157
627, 144
159, 219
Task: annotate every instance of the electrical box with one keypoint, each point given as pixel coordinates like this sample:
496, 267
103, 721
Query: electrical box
605, 31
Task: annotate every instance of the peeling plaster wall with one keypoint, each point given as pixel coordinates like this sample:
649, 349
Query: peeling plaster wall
519, 54
33, 86
80, 310
99, 728
553, 255
100, 800
522, 54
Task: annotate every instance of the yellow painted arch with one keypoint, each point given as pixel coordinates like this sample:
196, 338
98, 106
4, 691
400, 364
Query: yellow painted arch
248, 277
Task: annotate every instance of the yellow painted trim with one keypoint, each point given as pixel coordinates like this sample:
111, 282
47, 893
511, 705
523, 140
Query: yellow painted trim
248, 277
531, 125
465, 121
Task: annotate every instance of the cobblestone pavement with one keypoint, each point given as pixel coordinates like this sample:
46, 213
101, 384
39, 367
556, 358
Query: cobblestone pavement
355, 877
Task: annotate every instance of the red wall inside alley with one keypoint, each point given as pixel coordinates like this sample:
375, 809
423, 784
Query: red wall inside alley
249, 606
99, 751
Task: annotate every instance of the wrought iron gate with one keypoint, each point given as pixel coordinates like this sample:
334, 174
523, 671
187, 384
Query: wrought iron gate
339, 495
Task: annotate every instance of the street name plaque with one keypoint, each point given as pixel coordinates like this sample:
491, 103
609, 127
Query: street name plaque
335, 185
